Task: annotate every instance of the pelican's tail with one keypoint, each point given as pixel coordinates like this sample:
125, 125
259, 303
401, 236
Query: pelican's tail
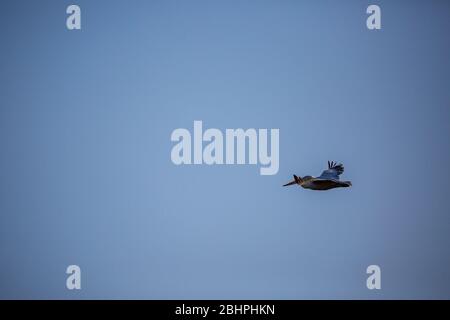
346, 184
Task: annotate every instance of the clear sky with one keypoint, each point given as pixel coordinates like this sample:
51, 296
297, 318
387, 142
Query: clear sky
86, 176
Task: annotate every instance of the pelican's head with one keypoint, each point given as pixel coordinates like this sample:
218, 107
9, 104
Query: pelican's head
307, 178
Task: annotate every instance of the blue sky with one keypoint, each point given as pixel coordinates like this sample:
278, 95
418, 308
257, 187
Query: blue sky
86, 176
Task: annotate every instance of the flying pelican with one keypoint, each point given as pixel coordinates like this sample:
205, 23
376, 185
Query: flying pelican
329, 179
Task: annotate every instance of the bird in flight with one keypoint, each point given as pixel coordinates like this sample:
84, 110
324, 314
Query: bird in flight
329, 179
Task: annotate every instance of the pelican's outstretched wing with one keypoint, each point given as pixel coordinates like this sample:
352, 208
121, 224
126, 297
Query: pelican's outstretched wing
333, 171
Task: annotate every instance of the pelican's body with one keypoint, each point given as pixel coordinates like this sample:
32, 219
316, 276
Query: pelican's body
329, 179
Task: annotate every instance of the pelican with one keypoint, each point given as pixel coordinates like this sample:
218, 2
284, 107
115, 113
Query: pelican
329, 179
